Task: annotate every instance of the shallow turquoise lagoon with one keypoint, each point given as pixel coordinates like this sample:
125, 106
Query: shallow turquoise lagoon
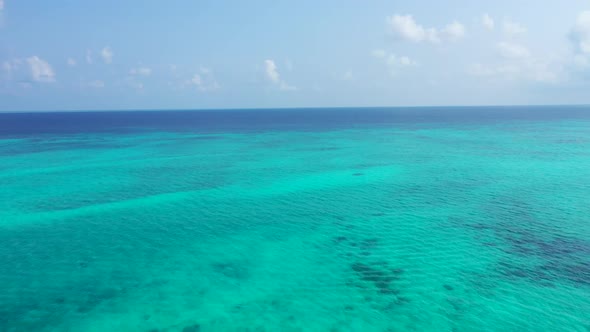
479, 226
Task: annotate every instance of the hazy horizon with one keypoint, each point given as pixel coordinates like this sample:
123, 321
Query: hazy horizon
291, 108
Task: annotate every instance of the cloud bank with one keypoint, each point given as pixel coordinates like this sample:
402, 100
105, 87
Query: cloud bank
404, 27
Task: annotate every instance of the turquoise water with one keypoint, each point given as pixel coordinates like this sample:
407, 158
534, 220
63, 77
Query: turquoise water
420, 226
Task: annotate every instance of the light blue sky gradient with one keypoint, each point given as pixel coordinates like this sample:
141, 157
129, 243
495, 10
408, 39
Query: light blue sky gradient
241, 54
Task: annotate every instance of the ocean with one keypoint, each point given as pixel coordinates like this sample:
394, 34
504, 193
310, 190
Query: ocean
352, 219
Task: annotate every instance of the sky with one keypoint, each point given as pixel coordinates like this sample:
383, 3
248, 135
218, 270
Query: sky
180, 54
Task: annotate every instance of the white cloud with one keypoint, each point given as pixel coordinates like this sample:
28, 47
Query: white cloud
513, 28
404, 60
272, 74
487, 22
96, 84
25, 71
203, 80
517, 63
454, 30
406, 28
1, 5
393, 61
530, 69
270, 68
513, 50
580, 34
41, 71
89, 57
107, 55
135, 75
71, 62
196, 80
141, 71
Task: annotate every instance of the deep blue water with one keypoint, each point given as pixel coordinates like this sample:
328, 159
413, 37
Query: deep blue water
18, 124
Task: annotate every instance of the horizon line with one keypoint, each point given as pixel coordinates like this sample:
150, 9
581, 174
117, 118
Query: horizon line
285, 108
